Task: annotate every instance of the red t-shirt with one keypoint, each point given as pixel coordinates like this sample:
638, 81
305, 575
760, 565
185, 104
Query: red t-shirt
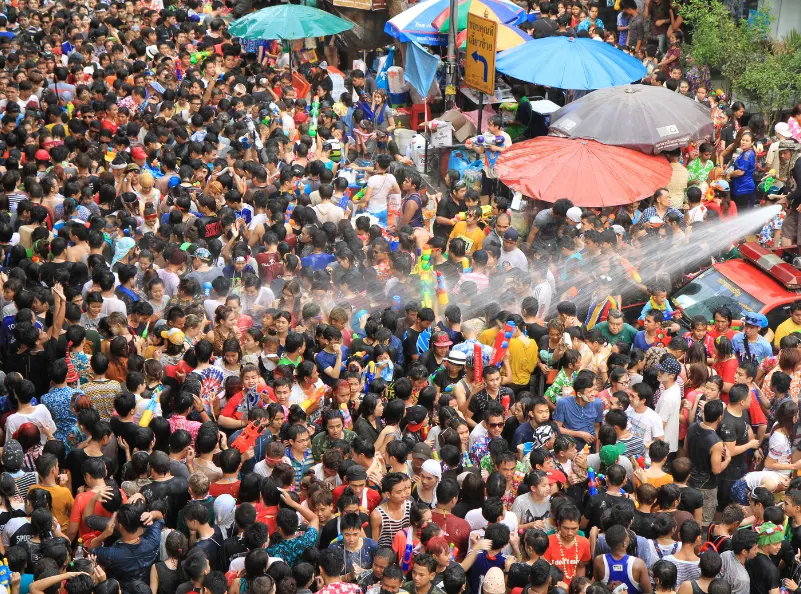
217, 489
567, 560
373, 498
270, 266
232, 408
455, 530
81, 501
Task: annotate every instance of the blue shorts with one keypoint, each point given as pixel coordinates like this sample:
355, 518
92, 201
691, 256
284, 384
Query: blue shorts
739, 492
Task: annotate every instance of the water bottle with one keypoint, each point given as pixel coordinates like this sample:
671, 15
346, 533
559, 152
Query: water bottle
80, 552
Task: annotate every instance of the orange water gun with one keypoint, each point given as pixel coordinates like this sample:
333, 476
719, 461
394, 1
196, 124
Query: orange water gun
249, 435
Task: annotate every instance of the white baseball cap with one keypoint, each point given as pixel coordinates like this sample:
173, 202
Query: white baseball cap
782, 129
574, 214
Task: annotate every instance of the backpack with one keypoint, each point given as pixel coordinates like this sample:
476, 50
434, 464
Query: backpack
713, 542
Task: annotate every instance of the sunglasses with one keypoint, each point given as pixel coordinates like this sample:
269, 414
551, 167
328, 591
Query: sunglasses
495, 425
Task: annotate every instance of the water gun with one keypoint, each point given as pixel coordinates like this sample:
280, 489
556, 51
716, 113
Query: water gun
369, 375
505, 402
197, 57
482, 140
5, 573
454, 551
425, 278
396, 303
486, 211
306, 404
424, 431
502, 343
360, 194
315, 111
206, 289
249, 436
478, 362
768, 182
466, 267
289, 210
147, 327
147, 416
346, 416
593, 481
407, 554
442, 294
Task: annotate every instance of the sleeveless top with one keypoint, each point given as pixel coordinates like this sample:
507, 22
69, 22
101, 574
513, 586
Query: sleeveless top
696, 588
621, 570
417, 219
389, 526
168, 578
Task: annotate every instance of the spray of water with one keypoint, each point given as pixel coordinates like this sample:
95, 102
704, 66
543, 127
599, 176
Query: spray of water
706, 240
664, 258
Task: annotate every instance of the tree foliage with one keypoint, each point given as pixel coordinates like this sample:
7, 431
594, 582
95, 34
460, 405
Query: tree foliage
761, 70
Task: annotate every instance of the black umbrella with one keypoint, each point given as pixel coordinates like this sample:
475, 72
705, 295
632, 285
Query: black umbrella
641, 117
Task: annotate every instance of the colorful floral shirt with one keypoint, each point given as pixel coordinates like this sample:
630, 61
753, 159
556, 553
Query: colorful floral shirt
554, 392
699, 172
769, 230
291, 550
480, 449
59, 402
301, 467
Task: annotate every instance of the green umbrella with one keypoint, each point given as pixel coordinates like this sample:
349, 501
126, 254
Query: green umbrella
288, 21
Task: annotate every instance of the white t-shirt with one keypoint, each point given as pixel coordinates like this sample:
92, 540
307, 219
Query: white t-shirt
477, 432
781, 450
477, 521
112, 304
296, 396
668, 409
647, 425
328, 212
381, 186
40, 417
754, 479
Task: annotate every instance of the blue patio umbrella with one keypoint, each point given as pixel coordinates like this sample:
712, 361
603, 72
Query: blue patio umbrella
570, 63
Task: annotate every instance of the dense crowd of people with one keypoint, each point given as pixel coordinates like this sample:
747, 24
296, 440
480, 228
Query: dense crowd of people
247, 349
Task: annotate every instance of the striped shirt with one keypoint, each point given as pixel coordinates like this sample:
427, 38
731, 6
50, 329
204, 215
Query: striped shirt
301, 467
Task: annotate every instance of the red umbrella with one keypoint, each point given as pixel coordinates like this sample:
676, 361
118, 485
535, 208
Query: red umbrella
589, 173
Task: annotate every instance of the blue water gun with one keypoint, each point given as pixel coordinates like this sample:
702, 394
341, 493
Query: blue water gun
5, 573
407, 554
396, 303
206, 289
593, 481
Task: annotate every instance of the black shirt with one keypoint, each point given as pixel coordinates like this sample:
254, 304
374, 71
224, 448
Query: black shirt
429, 360
74, 462
175, 492
410, 345
448, 209
643, 525
691, 499
763, 573
443, 379
740, 425
699, 443
213, 547
596, 506
542, 28
209, 227
535, 332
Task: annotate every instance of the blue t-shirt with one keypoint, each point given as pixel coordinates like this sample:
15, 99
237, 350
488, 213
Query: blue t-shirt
579, 418
745, 183
757, 351
129, 562
317, 261
325, 360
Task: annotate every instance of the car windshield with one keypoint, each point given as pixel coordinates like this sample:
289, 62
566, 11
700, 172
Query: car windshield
710, 290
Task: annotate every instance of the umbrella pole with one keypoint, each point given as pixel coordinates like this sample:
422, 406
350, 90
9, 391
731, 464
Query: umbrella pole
480, 111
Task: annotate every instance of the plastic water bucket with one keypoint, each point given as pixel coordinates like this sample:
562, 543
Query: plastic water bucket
403, 138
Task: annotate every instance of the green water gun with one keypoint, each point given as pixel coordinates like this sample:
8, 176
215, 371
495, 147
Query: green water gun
199, 56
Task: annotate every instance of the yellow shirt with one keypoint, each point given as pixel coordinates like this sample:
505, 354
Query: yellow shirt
788, 326
522, 359
62, 502
488, 336
474, 239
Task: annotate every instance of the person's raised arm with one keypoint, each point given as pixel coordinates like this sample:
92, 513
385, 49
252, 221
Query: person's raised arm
308, 515
40, 586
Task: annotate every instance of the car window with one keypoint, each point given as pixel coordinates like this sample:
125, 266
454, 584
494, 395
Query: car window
710, 290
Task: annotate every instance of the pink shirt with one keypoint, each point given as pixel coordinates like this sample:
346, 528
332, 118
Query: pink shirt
178, 422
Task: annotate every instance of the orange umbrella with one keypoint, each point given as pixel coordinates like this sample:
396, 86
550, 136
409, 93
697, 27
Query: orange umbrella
589, 173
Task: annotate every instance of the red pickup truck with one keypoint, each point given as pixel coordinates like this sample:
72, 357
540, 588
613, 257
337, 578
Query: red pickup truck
764, 280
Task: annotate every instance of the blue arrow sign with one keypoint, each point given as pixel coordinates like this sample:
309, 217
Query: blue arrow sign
479, 58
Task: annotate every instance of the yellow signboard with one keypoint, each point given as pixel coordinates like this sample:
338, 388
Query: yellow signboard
480, 62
